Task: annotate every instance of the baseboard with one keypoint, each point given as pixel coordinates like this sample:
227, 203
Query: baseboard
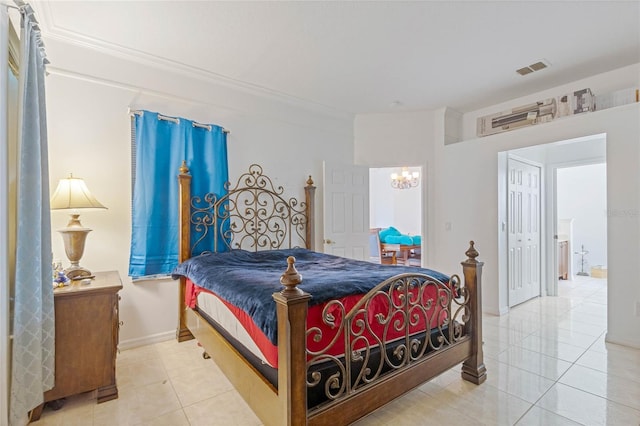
146, 340
624, 342
493, 310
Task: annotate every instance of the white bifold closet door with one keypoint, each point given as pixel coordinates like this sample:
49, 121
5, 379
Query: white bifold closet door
524, 231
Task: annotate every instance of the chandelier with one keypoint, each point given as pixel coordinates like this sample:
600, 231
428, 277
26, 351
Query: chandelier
405, 179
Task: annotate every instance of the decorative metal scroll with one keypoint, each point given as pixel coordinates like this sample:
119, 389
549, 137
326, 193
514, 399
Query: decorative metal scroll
401, 321
253, 215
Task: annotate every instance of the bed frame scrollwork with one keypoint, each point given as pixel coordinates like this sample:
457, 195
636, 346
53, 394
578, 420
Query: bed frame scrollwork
252, 215
412, 301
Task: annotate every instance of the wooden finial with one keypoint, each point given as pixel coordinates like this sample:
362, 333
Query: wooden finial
309, 181
183, 168
291, 278
472, 253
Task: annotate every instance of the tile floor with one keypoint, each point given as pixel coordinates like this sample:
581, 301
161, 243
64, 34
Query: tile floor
547, 364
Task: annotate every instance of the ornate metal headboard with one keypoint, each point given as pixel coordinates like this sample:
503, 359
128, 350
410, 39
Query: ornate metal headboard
253, 215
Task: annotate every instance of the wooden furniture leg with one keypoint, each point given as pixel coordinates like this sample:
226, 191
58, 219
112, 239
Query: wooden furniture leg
473, 369
34, 415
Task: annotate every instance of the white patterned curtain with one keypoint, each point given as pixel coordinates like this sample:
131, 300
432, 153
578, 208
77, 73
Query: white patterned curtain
32, 367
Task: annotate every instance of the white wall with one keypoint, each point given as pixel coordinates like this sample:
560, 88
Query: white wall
582, 196
394, 207
386, 140
464, 192
88, 94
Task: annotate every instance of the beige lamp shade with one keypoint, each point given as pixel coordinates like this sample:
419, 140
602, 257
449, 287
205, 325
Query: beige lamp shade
72, 193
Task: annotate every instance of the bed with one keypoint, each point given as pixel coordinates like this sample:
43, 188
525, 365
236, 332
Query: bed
325, 343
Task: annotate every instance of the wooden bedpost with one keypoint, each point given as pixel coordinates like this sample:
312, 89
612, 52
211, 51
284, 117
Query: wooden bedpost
184, 247
292, 306
309, 196
473, 369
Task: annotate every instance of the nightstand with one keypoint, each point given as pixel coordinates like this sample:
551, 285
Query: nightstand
86, 339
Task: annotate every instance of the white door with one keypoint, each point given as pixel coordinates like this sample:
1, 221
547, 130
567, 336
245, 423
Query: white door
524, 231
346, 210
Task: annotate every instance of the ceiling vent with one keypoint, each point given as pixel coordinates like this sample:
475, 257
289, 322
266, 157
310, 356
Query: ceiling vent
540, 65
524, 71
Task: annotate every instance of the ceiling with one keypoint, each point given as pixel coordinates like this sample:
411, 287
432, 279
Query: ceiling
360, 56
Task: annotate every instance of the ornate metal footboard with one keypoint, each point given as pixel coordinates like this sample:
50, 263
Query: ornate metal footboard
402, 320
427, 327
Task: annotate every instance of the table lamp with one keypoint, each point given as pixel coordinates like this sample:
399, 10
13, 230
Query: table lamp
72, 194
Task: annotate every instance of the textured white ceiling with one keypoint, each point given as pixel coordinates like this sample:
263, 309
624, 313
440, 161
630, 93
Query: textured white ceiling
359, 57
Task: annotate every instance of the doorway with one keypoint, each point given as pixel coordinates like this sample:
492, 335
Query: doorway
551, 157
400, 208
358, 198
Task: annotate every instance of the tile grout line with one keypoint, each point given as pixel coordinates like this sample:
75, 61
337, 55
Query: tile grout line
555, 382
573, 387
599, 371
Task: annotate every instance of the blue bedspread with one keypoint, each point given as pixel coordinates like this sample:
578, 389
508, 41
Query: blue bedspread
248, 279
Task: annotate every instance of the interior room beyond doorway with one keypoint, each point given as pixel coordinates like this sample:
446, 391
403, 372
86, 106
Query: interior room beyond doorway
581, 201
400, 208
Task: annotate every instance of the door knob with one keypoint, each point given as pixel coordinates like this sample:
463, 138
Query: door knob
329, 242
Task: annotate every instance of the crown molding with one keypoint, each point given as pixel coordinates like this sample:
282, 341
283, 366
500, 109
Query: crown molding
54, 32
52, 70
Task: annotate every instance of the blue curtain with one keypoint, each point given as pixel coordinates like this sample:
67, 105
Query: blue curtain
33, 362
160, 147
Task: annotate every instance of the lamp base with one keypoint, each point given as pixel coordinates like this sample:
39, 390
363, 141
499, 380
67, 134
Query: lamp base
76, 272
74, 236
